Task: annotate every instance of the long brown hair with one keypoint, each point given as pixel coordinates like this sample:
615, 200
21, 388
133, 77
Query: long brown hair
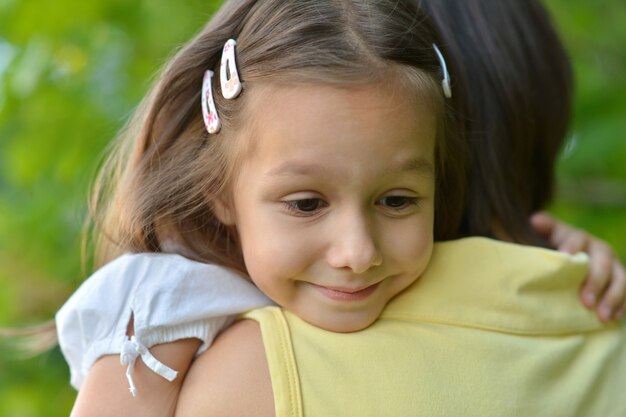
514, 84
156, 190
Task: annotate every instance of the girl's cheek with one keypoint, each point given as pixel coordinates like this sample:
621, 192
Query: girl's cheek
413, 245
278, 252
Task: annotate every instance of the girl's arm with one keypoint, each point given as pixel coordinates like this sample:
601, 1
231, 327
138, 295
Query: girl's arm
605, 286
105, 391
177, 306
230, 379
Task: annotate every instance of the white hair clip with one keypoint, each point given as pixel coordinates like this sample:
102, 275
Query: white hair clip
229, 76
445, 83
209, 112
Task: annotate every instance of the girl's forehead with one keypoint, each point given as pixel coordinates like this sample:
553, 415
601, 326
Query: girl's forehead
337, 104
320, 123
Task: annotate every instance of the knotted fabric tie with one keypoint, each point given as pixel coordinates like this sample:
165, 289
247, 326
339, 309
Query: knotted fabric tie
131, 349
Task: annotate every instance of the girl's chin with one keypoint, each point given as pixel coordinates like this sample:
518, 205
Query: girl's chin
344, 322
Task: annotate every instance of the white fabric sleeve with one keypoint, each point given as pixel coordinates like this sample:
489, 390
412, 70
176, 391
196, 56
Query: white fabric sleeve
169, 297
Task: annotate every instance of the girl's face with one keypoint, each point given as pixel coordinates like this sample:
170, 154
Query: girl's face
334, 204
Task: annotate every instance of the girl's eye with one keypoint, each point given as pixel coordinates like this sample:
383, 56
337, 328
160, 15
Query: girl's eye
304, 207
398, 202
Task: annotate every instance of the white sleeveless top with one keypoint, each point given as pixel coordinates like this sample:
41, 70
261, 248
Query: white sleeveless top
169, 297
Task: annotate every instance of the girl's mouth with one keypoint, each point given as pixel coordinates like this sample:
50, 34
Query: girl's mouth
346, 294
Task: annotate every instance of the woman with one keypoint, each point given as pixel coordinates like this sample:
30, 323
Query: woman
459, 357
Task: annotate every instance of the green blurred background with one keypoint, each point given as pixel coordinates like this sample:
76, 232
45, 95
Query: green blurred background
71, 72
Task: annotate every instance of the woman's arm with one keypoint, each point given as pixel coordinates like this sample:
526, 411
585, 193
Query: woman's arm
105, 393
230, 379
605, 286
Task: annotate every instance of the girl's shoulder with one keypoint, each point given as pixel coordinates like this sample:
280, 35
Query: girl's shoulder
157, 270
166, 297
158, 289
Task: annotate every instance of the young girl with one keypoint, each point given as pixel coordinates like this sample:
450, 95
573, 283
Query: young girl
332, 159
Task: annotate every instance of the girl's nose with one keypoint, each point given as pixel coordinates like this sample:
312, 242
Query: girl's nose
354, 246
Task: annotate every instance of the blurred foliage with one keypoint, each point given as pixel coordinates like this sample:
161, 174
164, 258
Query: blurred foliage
71, 72
592, 170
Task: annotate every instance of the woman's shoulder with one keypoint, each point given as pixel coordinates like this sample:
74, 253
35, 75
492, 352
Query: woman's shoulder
231, 378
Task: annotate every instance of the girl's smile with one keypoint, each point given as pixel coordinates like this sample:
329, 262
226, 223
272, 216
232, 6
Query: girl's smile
334, 200
346, 294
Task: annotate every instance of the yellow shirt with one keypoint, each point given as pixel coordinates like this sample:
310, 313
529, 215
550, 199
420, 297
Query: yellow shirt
490, 329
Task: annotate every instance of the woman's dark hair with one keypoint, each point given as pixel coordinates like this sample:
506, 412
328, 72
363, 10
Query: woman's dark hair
514, 87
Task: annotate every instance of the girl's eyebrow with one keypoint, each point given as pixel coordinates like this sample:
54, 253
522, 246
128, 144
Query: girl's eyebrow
296, 168
419, 165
